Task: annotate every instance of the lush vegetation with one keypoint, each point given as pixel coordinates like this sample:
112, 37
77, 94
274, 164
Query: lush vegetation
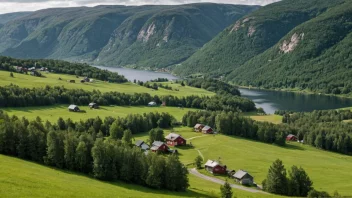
62, 67
213, 85
158, 36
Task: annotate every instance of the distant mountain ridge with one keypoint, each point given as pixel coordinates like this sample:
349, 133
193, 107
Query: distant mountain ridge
137, 36
4, 18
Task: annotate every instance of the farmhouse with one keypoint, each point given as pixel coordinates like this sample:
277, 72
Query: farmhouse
174, 139
215, 167
141, 144
93, 105
159, 146
207, 130
198, 127
73, 108
291, 138
152, 104
243, 177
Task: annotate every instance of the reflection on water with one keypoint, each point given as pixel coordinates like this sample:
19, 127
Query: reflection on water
271, 101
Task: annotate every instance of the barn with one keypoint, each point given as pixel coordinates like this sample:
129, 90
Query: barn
215, 167
159, 146
198, 127
291, 138
243, 177
207, 130
174, 139
73, 108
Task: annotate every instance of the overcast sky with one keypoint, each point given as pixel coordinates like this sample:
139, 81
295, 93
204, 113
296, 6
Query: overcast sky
7, 6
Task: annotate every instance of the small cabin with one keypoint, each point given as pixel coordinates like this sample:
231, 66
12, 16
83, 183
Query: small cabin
74, 108
207, 130
243, 177
174, 139
141, 144
152, 104
198, 127
215, 167
292, 138
159, 146
93, 105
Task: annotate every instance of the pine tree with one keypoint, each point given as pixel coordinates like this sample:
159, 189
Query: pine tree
70, 145
55, 149
116, 132
198, 162
276, 181
226, 190
127, 137
299, 182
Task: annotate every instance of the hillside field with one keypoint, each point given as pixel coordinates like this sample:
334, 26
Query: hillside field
328, 171
52, 79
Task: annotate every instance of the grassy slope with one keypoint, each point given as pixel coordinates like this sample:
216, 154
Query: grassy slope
50, 79
52, 113
20, 178
329, 171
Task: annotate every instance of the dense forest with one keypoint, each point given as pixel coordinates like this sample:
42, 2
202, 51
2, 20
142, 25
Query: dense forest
78, 147
213, 85
14, 96
63, 67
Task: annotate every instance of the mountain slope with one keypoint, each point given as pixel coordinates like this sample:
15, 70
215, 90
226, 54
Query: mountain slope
4, 18
252, 35
315, 55
157, 36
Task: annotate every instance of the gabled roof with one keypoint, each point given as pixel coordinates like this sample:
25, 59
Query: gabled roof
158, 143
172, 136
198, 125
72, 106
206, 128
240, 174
92, 103
139, 142
152, 103
291, 135
212, 163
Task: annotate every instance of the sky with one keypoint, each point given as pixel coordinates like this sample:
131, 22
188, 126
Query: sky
7, 6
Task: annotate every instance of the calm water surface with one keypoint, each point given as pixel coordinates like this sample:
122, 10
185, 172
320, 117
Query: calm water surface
270, 101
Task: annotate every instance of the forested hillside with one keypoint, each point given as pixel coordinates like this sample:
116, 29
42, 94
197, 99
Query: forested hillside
300, 45
157, 36
4, 18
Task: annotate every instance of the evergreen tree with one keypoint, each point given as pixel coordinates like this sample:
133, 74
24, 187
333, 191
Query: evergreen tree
226, 190
70, 146
299, 182
116, 132
81, 157
276, 181
175, 174
61, 124
127, 136
198, 162
55, 149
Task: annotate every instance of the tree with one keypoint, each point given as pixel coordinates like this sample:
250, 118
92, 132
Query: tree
70, 145
198, 162
61, 123
127, 136
276, 181
55, 149
226, 190
156, 135
116, 132
11, 75
299, 182
183, 84
318, 194
175, 174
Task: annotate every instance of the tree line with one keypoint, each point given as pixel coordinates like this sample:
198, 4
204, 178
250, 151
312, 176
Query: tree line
107, 157
213, 85
62, 67
14, 96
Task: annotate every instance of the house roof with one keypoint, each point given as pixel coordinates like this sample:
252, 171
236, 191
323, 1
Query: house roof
212, 163
92, 103
158, 143
72, 106
172, 136
291, 135
144, 146
152, 103
206, 128
198, 125
240, 174
139, 142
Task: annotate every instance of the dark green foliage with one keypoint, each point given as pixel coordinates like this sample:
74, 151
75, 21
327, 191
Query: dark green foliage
127, 137
156, 134
175, 174
226, 190
158, 36
198, 162
276, 181
299, 183
213, 85
11, 74
55, 149
116, 132
318, 194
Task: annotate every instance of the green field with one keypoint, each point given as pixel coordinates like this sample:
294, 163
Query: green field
51, 79
276, 119
20, 178
329, 171
52, 113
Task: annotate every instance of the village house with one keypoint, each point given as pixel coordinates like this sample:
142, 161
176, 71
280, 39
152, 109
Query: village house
159, 146
243, 177
291, 138
93, 105
141, 144
198, 127
152, 104
215, 167
73, 108
207, 130
174, 139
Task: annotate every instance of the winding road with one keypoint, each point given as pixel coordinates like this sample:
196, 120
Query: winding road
194, 171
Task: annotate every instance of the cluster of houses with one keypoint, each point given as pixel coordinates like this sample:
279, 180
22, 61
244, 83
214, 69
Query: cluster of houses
241, 176
32, 70
75, 108
203, 128
172, 139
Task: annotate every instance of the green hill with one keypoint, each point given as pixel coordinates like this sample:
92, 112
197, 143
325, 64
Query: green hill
158, 36
290, 44
4, 18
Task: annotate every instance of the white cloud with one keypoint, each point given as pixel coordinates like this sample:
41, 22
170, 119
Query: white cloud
7, 6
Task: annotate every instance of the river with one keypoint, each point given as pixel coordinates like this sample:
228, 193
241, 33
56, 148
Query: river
270, 101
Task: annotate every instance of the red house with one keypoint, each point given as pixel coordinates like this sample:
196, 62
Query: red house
159, 146
198, 127
174, 139
291, 138
207, 130
215, 167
